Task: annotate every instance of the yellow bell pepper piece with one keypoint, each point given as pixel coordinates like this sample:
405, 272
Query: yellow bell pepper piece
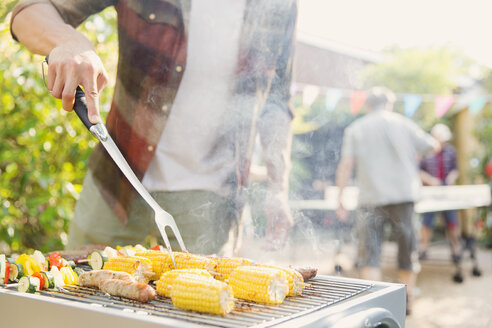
68, 278
75, 276
30, 265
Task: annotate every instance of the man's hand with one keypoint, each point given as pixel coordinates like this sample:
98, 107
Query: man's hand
280, 221
344, 171
342, 213
72, 60
72, 64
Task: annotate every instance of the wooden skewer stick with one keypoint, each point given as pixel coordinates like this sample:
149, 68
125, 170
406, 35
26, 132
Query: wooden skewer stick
84, 260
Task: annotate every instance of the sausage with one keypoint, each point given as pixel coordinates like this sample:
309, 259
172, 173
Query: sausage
306, 272
93, 278
133, 290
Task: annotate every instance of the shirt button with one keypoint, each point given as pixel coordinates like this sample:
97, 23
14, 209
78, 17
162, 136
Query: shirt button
164, 108
152, 16
179, 68
150, 148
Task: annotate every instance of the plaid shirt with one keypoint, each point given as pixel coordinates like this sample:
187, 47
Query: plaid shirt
439, 165
152, 59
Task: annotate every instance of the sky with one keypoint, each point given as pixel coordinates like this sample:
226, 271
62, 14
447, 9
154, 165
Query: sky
376, 24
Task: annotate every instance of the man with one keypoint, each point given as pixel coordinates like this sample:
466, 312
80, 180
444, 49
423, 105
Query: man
383, 147
440, 170
196, 80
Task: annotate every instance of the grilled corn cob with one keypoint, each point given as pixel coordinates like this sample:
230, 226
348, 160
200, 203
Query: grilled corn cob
138, 267
202, 294
165, 283
225, 265
158, 258
259, 284
296, 282
186, 260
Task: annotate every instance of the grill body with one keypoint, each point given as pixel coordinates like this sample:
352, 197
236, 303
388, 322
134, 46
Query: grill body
327, 302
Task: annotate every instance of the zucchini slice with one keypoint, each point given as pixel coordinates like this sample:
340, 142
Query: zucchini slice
78, 271
49, 279
97, 260
16, 271
28, 284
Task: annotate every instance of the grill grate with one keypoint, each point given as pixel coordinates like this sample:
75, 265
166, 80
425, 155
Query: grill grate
321, 293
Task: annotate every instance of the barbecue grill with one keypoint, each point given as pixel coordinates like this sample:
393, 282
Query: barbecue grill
327, 302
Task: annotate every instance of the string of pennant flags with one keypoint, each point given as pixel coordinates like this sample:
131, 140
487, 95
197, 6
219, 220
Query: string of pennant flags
411, 102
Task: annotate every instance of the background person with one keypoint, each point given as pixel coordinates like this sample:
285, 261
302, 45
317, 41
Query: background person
383, 148
196, 81
440, 170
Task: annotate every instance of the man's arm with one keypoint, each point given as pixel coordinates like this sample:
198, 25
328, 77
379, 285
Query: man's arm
452, 177
276, 145
429, 180
425, 144
454, 173
275, 132
344, 172
73, 61
436, 147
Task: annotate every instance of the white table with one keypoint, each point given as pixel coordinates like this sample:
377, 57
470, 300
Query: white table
434, 199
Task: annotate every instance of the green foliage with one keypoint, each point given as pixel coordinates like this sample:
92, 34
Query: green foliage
483, 128
44, 150
5, 7
483, 132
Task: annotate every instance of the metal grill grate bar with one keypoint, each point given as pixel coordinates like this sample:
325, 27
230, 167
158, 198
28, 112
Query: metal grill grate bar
321, 293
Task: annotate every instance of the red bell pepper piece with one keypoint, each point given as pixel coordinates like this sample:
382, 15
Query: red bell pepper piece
40, 276
56, 260
7, 273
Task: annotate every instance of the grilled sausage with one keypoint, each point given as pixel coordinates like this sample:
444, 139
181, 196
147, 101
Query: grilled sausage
128, 289
306, 272
93, 278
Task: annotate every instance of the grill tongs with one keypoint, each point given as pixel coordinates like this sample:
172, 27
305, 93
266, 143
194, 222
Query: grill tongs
162, 218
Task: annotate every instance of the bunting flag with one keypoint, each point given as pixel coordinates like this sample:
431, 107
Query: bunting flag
411, 104
442, 104
309, 95
357, 100
333, 96
477, 105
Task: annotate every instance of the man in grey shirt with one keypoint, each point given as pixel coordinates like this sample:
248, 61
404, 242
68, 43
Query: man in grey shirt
384, 148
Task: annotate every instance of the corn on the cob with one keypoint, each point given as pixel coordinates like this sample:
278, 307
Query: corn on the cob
158, 258
165, 283
138, 267
296, 282
186, 260
225, 265
259, 284
202, 294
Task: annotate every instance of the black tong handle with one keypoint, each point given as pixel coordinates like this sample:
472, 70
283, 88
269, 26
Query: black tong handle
80, 106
